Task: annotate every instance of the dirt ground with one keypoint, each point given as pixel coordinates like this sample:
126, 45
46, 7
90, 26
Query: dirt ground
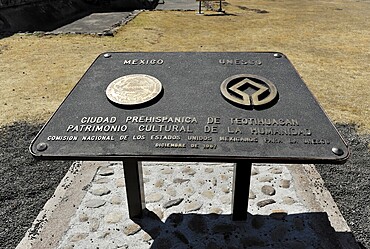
327, 42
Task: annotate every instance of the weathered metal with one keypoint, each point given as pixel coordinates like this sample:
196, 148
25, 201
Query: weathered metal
264, 112
226, 107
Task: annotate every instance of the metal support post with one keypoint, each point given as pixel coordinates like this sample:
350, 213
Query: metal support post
200, 7
134, 187
241, 184
220, 9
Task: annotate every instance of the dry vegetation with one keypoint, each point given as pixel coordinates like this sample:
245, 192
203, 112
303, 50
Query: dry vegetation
327, 41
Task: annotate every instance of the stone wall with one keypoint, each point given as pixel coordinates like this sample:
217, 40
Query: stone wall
12, 3
47, 15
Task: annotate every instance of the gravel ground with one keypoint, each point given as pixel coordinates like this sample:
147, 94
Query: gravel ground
349, 184
26, 184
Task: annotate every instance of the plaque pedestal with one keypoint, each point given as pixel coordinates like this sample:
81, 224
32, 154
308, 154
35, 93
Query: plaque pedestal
136, 198
206, 107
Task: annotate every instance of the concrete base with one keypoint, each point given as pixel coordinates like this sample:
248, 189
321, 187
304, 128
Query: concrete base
189, 204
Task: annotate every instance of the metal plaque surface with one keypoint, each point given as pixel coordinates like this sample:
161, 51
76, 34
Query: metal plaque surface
191, 106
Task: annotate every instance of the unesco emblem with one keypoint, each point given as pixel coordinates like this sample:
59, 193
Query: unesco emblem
249, 91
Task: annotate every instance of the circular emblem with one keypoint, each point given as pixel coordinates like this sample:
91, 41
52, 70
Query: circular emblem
249, 90
133, 89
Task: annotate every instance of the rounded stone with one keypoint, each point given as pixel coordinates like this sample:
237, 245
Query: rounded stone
171, 191
275, 170
159, 183
192, 206
172, 203
225, 199
278, 214
131, 229
101, 180
266, 202
120, 183
180, 180
100, 191
113, 217
94, 225
116, 200
201, 182
208, 194
83, 217
214, 181
167, 171
103, 235
153, 197
188, 171
288, 200
147, 172
158, 212
268, 190
265, 179
189, 191
252, 195
78, 237
225, 189
284, 183
208, 170
94, 203
224, 177
105, 171
254, 171
146, 237
216, 210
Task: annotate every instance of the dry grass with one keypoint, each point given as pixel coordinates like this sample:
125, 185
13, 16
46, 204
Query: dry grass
327, 41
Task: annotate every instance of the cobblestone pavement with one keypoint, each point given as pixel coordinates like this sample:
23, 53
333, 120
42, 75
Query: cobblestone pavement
189, 206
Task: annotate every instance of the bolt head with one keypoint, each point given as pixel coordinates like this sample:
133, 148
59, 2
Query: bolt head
337, 151
41, 146
277, 55
107, 55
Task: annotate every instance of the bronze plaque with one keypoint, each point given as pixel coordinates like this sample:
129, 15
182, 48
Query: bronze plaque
191, 106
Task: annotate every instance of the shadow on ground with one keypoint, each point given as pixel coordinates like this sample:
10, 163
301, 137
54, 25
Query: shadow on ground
279, 230
47, 16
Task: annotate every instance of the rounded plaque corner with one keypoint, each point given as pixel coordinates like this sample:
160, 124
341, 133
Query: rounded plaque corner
105, 55
279, 55
33, 151
342, 154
